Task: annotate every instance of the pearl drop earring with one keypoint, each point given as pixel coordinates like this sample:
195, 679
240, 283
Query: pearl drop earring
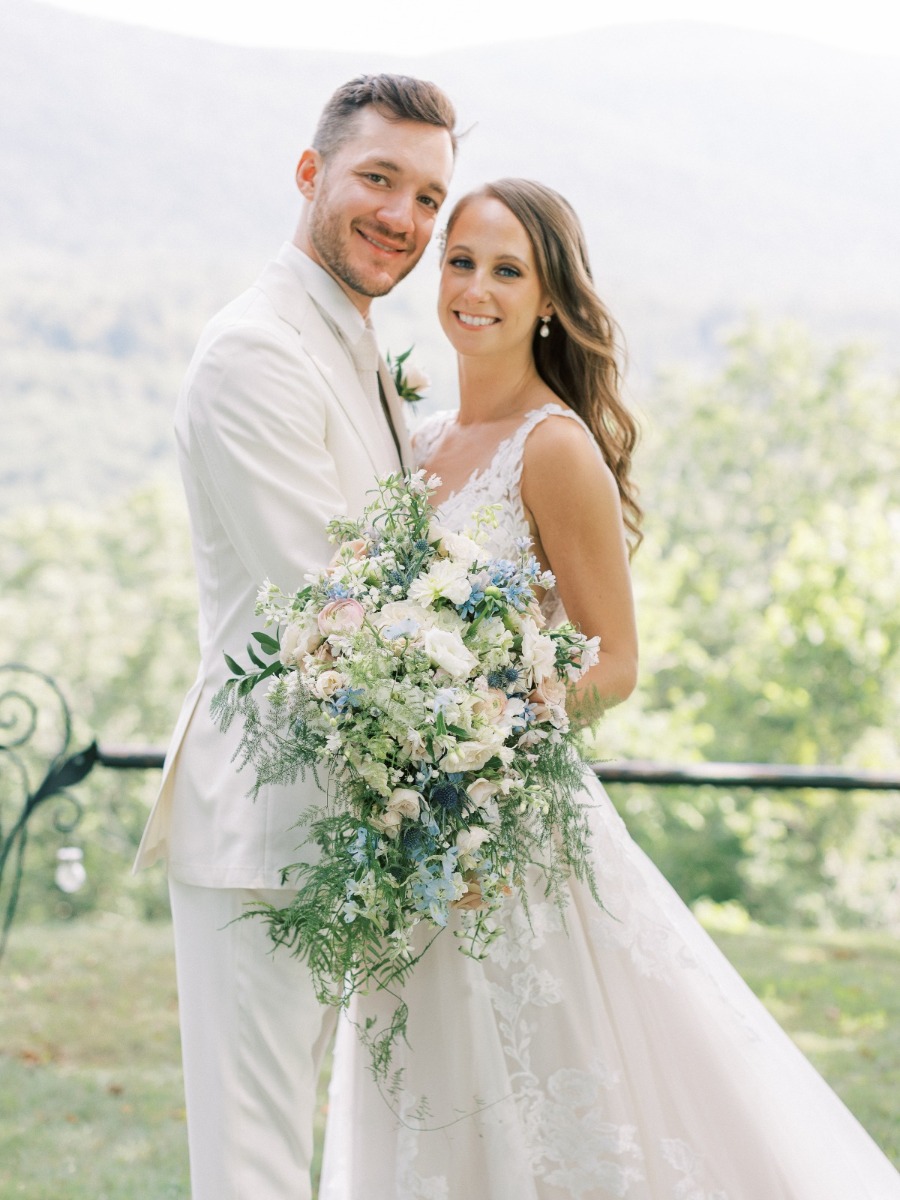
545, 327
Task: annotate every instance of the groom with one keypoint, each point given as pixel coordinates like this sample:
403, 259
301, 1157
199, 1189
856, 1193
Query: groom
286, 418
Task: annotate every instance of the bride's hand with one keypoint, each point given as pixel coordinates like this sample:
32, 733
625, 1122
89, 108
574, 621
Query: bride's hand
472, 899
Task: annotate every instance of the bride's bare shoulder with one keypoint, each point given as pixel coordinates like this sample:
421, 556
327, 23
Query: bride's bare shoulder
561, 457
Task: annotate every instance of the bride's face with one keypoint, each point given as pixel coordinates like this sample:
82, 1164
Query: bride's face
491, 298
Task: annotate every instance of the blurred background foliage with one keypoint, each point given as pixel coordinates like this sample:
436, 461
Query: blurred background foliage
767, 589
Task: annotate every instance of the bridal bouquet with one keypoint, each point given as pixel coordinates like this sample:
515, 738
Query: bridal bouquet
413, 675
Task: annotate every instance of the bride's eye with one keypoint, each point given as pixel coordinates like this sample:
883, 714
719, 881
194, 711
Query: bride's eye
463, 263
508, 272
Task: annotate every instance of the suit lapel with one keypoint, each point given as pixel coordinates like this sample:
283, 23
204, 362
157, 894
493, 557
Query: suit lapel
294, 305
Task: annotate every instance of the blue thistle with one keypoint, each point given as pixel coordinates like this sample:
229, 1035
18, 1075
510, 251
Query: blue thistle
447, 795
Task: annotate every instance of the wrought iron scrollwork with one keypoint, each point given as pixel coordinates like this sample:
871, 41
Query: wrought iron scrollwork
36, 765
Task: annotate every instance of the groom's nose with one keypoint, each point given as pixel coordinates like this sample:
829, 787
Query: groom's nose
397, 212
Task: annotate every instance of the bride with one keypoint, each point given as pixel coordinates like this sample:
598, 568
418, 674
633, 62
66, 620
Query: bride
601, 1052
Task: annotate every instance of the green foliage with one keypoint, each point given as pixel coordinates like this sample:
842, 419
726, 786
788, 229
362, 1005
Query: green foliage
768, 589
104, 602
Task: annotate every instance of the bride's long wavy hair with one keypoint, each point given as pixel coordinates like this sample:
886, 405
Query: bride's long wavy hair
579, 359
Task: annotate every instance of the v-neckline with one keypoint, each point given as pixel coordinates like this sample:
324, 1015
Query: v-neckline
481, 471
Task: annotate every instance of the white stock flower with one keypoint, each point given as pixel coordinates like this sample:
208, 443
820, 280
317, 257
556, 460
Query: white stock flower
447, 650
444, 580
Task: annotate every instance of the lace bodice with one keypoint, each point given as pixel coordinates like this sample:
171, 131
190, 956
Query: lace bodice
499, 483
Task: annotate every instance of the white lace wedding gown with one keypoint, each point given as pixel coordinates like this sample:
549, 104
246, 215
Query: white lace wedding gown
621, 1056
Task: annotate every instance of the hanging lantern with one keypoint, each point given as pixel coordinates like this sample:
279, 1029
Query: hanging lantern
70, 874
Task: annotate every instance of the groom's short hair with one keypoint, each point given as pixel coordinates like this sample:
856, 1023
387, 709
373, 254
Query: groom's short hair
396, 97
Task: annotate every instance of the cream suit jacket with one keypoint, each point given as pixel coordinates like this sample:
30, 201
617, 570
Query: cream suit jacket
275, 436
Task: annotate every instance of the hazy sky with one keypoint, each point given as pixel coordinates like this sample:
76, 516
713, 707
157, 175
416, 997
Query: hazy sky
404, 26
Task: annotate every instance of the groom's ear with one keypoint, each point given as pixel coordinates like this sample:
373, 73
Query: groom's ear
309, 169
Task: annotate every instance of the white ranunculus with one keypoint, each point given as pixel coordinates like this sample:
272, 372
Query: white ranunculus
396, 611
490, 703
447, 650
538, 651
444, 580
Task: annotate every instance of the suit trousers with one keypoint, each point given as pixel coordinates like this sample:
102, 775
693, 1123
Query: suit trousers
253, 1041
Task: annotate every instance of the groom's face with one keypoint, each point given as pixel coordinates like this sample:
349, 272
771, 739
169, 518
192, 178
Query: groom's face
374, 201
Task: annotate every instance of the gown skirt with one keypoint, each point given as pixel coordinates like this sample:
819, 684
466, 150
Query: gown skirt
595, 1053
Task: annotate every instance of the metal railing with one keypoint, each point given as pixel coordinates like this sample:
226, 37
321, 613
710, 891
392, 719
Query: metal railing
712, 774
23, 712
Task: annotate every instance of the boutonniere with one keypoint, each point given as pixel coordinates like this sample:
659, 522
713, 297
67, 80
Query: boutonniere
411, 383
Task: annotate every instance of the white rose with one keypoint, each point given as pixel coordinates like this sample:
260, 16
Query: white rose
415, 378
298, 639
388, 822
468, 756
406, 802
549, 702
454, 545
538, 651
289, 639
326, 684
447, 650
444, 580
481, 791
471, 839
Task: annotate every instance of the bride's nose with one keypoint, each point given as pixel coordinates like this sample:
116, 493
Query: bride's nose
477, 286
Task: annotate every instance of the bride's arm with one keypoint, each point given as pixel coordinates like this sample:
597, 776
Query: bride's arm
573, 505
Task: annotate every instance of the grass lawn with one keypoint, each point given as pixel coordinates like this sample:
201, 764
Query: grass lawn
90, 1088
